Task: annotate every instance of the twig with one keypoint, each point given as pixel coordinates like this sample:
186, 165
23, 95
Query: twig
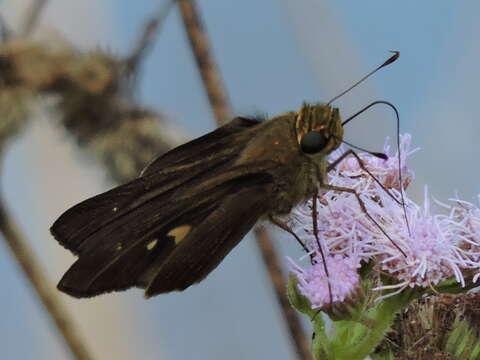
41, 284
31, 16
146, 39
270, 258
222, 110
211, 78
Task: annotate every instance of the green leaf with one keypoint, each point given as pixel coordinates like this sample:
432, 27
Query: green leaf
297, 300
463, 342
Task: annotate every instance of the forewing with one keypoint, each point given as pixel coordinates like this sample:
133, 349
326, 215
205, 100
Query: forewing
208, 155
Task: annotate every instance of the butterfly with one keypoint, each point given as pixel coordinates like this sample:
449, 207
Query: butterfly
171, 226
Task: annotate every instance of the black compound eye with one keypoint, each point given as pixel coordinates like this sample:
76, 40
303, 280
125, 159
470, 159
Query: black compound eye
313, 142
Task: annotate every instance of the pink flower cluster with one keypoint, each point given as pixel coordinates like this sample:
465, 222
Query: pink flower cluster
312, 284
430, 249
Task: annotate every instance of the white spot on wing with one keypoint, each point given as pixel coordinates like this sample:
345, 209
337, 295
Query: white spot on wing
152, 244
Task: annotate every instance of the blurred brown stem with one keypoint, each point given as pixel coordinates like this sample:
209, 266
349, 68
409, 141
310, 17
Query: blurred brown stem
222, 110
41, 284
147, 37
212, 81
270, 258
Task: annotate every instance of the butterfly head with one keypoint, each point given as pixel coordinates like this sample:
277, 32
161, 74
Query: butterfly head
319, 129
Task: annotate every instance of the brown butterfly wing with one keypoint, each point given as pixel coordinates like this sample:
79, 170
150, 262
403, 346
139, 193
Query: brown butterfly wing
126, 236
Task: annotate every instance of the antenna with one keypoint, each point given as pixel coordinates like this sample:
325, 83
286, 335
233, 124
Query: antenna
373, 153
391, 59
398, 149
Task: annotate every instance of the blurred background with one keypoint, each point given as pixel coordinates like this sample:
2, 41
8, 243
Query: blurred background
273, 55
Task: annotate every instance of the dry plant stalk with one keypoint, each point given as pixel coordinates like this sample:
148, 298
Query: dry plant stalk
41, 284
221, 108
424, 330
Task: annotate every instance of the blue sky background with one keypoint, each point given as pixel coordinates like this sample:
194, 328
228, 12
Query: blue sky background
273, 55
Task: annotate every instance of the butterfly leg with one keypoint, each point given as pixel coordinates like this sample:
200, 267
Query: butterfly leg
362, 166
285, 227
320, 248
364, 210
334, 164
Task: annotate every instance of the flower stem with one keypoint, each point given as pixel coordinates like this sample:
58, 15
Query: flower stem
320, 341
383, 315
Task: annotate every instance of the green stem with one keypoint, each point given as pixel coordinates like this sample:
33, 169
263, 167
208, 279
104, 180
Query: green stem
384, 315
354, 340
320, 342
